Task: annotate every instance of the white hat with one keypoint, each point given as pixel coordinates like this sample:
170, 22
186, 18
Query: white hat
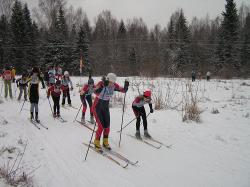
111, 77
66, 73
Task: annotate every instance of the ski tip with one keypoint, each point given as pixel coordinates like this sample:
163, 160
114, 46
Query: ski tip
125, 166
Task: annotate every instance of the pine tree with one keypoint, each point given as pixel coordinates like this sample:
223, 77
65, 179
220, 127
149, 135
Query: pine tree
245, 51
83, 48
182, 35
18, 36
57, 52
30, 44
228, 37
4, 41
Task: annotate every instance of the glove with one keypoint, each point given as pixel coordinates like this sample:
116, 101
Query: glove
71, 88
126, 84
48, 96
151, 110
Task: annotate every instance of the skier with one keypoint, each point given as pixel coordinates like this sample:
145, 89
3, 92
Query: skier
193, 74
139, 111
22, 83
33, 90
104, 91
52, 76
58, 72
65, 85
7, 77
55, 92
13, 71
208, 75
86, 95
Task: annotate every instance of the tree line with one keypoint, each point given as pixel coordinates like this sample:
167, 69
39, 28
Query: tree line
59, 35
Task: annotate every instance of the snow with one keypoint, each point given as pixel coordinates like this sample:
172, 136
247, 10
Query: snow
212, 153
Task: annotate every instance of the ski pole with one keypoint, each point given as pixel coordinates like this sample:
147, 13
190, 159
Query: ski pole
1, 88
123, 108
78, 112
22, 106
131, 122
90, 141
50, 107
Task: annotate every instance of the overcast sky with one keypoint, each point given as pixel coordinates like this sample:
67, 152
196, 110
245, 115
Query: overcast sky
152, 11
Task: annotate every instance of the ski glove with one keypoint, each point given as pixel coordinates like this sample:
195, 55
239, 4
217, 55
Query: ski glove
126, 84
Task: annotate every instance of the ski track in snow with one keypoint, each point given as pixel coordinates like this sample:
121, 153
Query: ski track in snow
212, 153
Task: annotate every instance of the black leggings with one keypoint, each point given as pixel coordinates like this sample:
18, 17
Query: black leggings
66, 93
140, 112
56, 101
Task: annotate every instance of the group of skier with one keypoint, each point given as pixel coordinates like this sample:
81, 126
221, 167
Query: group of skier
61, 84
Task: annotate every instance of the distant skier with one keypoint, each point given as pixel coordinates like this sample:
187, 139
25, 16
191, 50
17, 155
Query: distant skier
86, 95
58, 72
51, 76
104, 91
139, 111
22, 83
66, 81
13, 71
7, 77
208, 75
34, 79
55, 92
193, 74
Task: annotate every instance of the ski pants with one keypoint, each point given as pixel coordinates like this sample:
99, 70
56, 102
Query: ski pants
56, 101
102, 116
140, 112
7, 88
87, 98
22, 89
34, 106
66, 93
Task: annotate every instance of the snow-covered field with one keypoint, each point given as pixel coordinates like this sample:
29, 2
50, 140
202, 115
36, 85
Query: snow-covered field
213, 153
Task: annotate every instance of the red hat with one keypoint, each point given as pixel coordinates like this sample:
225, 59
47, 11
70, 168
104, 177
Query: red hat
147, 93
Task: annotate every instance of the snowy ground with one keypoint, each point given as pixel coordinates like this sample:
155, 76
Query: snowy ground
213, 153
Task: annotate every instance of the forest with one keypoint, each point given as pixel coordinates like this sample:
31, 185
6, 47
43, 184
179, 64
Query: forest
56, 33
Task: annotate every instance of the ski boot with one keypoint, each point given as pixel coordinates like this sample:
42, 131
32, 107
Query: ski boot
54, 115
106, 143
138, 135
97, 145
146, 134
58, 115
37, 120
92, 121
31, 116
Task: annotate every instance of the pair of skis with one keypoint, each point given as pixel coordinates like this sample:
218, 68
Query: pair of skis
38, 124
151, 142
86, 125
113, 156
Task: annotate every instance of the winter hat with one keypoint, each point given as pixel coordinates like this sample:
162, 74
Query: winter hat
66, 73
111, 77
91, 81
147, 93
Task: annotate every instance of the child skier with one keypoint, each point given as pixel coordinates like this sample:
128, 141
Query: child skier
65, 86
139, 112
104, 91
86, 95
55, 92
7, 77
22, 83
52, 76
34, 79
